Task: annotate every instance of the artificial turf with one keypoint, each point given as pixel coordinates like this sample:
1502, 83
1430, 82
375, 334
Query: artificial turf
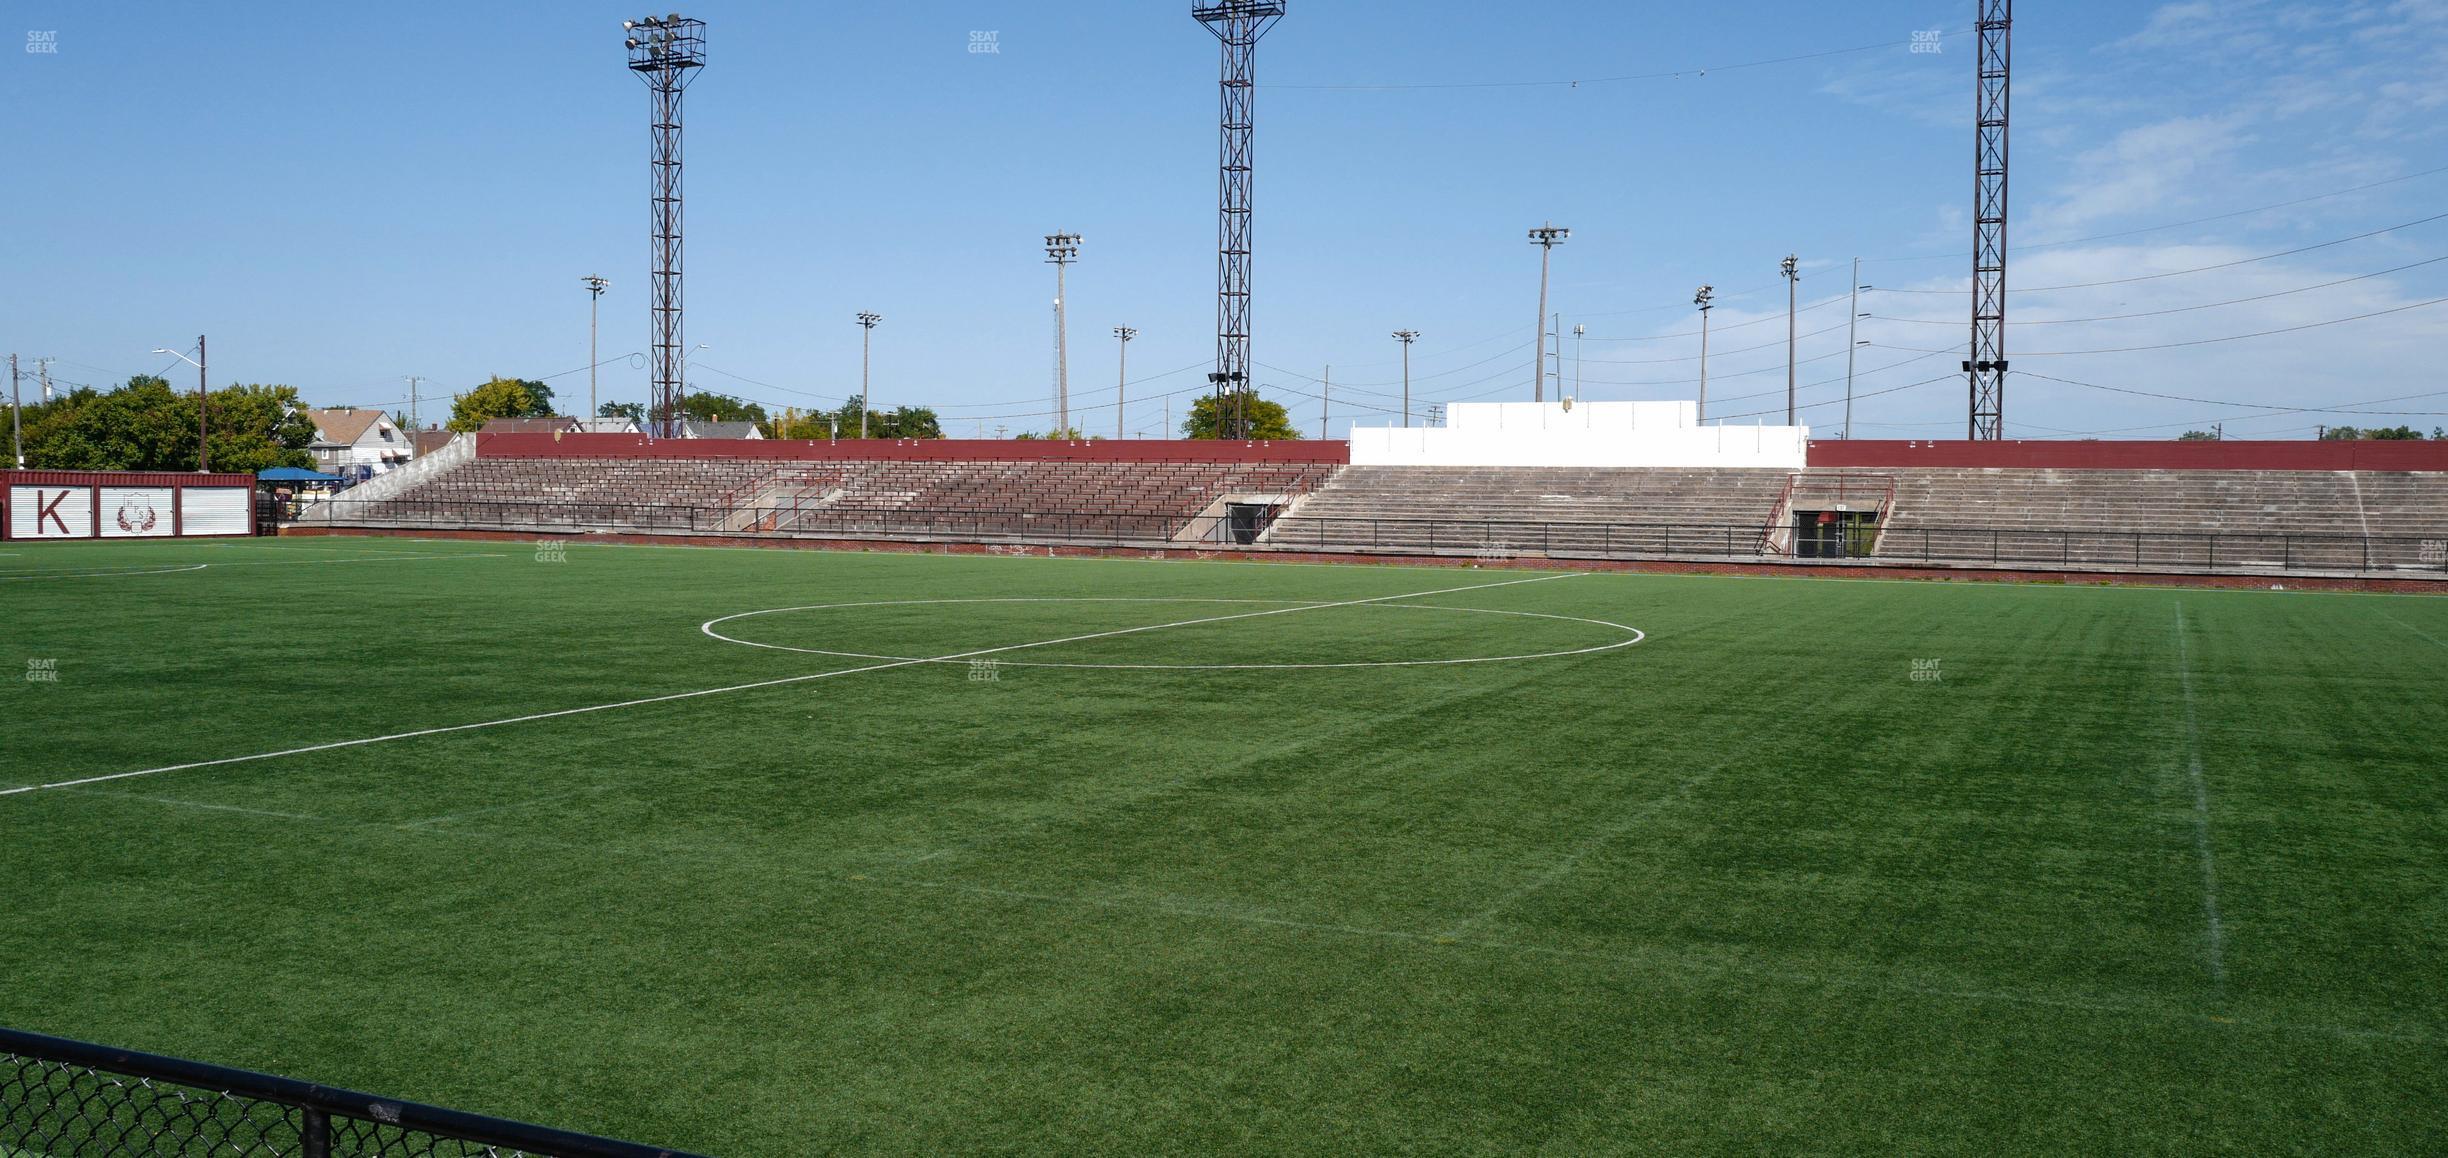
2105, 870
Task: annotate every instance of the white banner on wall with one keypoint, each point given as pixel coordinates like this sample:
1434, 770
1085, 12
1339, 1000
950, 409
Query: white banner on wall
136, 513
50, 512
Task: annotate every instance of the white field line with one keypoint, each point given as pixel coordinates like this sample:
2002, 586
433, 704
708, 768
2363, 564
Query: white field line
1632, 635
1681, 961
772, 683
2216, 935
1563, 868
2435, 640
72, 573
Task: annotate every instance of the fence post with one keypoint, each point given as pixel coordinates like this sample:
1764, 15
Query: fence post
314, 1133
1670, 540
2286, 552
1606, 540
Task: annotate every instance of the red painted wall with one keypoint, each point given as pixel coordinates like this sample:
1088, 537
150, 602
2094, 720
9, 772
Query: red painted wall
121, 478
2300, 454
923, 450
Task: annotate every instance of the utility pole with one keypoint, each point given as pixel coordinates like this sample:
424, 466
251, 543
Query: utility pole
415, 423
867, 324
595, 288
1852, 344
1793, 280
1406, 336
203, 409
1546, 237
16, 418
1702, 299
1326, 404
1122, 377
1578, 331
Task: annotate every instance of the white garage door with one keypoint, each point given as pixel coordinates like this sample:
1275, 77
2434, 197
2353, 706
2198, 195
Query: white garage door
135, 512
50, 512
213, 510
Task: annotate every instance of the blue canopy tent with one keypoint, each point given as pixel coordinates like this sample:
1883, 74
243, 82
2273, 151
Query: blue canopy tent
291, 474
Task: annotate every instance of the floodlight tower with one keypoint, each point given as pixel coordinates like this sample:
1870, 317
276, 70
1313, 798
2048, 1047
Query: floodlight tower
1237, 25
1406, 337
1546, 237
1706, 295
666, 52
1987, 366
867, 320
1061, 250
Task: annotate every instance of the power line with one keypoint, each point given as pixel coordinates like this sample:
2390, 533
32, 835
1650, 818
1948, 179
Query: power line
2180, 224
2188, 309
2197, 269
1573, 83
2210, 341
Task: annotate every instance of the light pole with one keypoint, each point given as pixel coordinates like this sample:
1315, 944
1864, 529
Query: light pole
1851, 344
203, 404
1546, 237
1701, 299
1793, 279
595, 288
1122, 377
867, 324
1061, 250
1406, 337
16, 419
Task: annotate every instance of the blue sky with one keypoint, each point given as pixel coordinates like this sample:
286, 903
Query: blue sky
342, 196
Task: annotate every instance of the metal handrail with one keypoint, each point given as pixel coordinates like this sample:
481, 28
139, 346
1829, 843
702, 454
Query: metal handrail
2215, 550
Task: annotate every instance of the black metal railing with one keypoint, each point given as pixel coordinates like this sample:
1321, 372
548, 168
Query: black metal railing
71, 1099
2202, 551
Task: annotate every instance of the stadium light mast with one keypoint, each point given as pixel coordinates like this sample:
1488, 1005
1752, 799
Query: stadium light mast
867, 324
203, 404
1578, 331
1986, 368
1061, 250
1406, 337
1237, 25
1702, 298
595, 287
1792, 269
1546, 237
1122, 377
666, 52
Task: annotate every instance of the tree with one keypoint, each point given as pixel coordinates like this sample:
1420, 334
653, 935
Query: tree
633, 411
899, 422
146, 425
2197, 436
2340, 434
2393, 433
708, 407
1267, 420
500, 398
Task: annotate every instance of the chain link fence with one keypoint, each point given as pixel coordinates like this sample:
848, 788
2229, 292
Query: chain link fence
70, 1099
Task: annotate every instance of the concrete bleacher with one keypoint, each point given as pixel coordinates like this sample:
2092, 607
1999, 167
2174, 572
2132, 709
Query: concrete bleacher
2167, 519
1126, 500
1551, 510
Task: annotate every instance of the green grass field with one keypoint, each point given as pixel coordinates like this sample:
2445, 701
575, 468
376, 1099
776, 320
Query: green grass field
2137, 871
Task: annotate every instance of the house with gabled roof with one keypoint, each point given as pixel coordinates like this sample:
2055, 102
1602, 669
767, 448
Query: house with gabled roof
349, 437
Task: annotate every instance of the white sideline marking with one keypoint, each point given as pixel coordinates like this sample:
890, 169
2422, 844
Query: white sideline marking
99, 574
2201, 809
70, 573
772, 683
